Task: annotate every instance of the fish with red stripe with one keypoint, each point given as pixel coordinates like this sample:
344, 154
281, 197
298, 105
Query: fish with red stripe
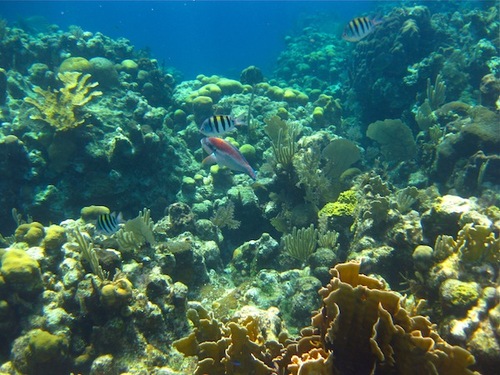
225, 154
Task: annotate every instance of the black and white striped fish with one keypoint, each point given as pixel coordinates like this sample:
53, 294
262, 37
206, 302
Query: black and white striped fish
359, 27
219, 124
109, 223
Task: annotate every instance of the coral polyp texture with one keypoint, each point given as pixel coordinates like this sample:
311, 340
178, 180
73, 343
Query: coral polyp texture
368, 242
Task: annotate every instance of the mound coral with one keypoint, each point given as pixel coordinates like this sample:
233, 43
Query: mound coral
20, 272
58, 108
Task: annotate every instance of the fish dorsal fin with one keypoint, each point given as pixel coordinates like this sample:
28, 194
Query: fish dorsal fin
210, 159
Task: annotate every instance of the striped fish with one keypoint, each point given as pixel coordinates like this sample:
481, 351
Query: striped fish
109, 223
218, 125
359, 27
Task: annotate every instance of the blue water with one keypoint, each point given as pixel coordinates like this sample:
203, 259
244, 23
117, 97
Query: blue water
209, 37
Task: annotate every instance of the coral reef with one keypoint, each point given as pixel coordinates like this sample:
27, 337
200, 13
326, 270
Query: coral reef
383, 151
361, 328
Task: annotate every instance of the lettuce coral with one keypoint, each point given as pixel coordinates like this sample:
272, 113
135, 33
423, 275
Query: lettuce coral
363, 329
58, 108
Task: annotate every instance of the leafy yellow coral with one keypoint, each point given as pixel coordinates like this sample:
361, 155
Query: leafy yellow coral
58, 107
478, 243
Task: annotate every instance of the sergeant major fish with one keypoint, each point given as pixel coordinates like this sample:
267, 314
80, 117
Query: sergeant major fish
219, 124
226, 155
109, 223
359, 28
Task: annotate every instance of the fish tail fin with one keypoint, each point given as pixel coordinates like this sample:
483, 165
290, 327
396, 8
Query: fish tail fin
119, 218
377, 19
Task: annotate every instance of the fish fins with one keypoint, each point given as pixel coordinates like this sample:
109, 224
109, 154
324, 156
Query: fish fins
210, 159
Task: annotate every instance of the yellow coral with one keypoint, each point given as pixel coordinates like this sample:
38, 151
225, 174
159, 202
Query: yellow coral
57, 108
478, 243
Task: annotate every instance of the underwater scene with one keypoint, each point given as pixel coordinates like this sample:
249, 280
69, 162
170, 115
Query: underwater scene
304, 188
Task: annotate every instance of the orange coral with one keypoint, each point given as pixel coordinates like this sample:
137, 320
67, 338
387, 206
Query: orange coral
362, 329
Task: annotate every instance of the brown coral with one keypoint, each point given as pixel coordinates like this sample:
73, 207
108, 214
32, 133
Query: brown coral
363, 329
234, 348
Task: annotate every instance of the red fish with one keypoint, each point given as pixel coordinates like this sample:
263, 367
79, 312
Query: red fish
226, 155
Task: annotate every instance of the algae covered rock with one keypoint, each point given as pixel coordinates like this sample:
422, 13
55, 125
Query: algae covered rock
21, 272
444, 216
459, 294
40, 352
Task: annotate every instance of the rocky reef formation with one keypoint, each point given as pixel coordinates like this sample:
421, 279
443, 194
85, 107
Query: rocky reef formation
384, 153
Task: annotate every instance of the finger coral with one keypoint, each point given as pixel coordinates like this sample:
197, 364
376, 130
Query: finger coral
58, 108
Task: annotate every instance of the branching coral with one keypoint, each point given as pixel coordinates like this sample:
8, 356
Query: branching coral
235, 348
58, 108
89, 254
224, 217
136, 232
436, 94
360, 329
478, 243
283, 137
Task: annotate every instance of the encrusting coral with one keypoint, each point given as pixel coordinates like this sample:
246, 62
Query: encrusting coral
58, 108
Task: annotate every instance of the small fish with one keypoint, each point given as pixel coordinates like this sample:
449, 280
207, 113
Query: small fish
359, 27
219, 124
109, 223
226, 155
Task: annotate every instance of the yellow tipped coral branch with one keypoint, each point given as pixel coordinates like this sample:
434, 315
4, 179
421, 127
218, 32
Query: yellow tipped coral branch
58, 107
